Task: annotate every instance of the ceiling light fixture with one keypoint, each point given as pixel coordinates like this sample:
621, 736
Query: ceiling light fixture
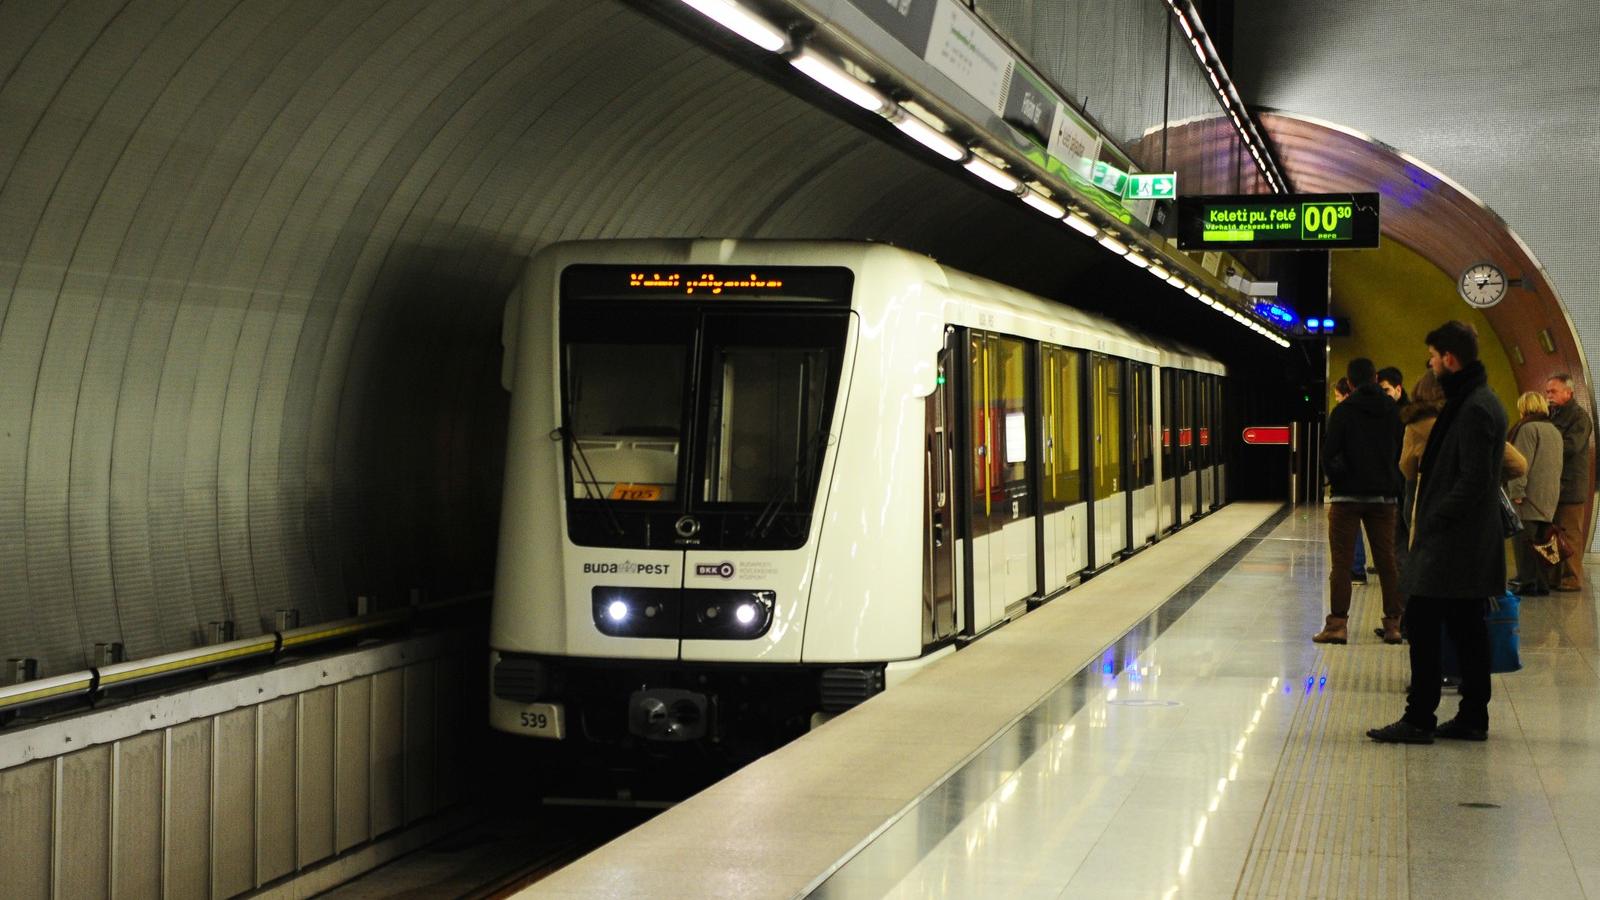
742, 22
929, 137
829, 75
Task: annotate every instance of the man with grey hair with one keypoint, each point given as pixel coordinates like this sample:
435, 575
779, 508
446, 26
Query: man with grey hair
1577, 431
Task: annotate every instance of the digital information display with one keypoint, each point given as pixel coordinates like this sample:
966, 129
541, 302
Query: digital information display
1265, 222
811, 284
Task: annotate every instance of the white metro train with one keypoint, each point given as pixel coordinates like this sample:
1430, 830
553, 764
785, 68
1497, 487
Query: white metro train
749, 482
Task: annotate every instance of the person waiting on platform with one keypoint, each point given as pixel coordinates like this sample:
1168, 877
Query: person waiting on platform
1393, 384
1358, 567
1577, 430
1359, 457
1457, 549
1536, 492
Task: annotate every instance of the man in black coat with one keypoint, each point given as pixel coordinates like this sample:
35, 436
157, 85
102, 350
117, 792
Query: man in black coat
1360, 457
1457, 547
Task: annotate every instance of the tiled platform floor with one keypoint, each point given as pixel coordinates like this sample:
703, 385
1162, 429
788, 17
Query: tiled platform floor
1230, 760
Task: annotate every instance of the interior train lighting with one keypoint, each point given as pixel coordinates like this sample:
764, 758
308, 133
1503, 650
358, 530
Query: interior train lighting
742, 22
928, 136
992, 174
1043, 204
1114, 245
1082, 226
831, 76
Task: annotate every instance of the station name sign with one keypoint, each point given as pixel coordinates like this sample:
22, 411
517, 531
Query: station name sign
1268, 222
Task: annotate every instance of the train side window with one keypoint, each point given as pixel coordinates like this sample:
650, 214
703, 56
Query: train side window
1107, 396
1062, 406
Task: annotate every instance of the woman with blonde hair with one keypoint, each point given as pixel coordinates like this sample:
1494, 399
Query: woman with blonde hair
1535, 492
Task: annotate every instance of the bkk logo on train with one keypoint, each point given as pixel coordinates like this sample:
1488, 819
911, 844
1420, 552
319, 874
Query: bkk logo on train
721, 570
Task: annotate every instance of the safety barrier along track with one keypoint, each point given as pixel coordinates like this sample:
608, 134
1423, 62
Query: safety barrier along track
90, 682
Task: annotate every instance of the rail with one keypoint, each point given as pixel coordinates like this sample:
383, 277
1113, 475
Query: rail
270, 645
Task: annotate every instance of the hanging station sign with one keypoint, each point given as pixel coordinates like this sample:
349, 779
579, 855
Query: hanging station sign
1288, 222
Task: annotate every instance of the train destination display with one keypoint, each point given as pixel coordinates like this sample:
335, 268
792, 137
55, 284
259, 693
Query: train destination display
1266, 222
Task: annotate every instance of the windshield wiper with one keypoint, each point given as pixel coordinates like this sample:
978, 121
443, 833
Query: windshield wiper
586, 476
769, 513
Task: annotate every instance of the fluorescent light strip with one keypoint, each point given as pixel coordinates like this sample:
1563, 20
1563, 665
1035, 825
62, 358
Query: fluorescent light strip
1177, 282
1159, 272
1114, 245
835, 79
1206, 299
1044, 204
929, 137
1183, 22
992, 175
1192, 291
1082, 226
742, 22
1136, 259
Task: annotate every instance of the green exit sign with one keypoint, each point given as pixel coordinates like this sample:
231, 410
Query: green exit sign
1110, 177
1160, 186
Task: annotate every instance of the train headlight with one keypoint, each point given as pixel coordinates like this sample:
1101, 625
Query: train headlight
617, 611
729, 615
745, 614
636, 612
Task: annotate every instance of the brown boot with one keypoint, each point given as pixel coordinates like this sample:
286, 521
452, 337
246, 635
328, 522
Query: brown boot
1391, 630
1334, 632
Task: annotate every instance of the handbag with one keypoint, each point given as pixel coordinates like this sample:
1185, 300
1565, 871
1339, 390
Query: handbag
1503, 619
1549, 549
1510, 522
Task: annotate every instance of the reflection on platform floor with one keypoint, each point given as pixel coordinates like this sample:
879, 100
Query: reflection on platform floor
1228, 758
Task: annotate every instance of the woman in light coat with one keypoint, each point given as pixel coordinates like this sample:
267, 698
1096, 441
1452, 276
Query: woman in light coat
1536, 492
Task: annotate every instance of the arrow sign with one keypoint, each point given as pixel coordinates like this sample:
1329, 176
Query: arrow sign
1267, 435
1158, 186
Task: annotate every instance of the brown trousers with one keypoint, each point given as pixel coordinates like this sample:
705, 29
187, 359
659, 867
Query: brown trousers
1569, 518
1344, 522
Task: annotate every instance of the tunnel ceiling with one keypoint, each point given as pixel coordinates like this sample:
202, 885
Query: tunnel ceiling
253, 258
1440, 221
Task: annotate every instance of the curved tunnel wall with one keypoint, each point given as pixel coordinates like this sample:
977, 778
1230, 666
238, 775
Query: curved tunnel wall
252, 263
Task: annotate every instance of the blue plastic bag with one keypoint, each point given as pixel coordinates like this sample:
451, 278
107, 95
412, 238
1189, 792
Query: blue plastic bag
1502, 616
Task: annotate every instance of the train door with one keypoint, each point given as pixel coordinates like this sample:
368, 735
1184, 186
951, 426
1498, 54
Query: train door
1188, 477
1062, 506
1141, 457
1203, 429
1004, 539
1171, 505
1110, 507
1223, 427
938, 503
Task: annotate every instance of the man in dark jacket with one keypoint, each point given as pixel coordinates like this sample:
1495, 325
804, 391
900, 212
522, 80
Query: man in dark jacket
1576, 433
1359, 456
1457, 548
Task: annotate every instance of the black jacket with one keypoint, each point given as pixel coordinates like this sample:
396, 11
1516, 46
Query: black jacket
1361, 451
1457, 548
1576, 433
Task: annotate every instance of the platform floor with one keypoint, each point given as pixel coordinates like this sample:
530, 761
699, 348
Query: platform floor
1227, 758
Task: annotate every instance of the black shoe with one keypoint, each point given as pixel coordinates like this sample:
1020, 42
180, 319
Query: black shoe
1358, 579
1450, 681
1401, 732
1453, 730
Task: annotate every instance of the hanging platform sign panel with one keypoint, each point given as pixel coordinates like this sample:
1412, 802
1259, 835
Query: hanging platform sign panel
1285, 222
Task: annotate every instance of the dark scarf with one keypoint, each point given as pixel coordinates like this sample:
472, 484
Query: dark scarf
1530, 417
1457, 387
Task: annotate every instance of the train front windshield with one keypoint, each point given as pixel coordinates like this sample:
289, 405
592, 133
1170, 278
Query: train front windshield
698, 417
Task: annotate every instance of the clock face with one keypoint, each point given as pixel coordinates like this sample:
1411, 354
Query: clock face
1483, 285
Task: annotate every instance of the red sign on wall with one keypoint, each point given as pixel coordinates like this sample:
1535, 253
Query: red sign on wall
1205, 437
1267, 434
1185, 437
1166, 437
